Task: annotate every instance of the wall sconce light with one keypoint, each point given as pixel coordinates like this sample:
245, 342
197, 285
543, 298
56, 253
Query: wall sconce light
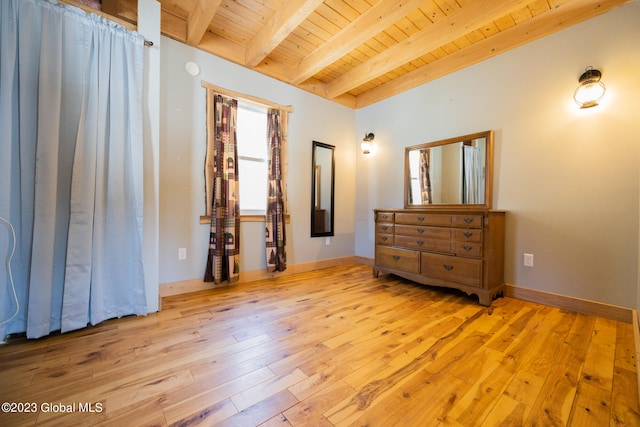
590, 90
367, 143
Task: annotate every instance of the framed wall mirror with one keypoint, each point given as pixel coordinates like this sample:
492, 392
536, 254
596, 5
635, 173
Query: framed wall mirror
450, 172
322, 188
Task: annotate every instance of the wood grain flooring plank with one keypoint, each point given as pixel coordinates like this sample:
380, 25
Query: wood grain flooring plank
261, 411
625, 356
524, 387
332, 347
592, 406
267, 388
507, 412
212, 414
277, 421
624, 402
554, 404
207, 393
445, 351
310, 411
317, 382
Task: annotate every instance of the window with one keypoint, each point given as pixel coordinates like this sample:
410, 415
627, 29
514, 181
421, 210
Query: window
252, 116
251, 136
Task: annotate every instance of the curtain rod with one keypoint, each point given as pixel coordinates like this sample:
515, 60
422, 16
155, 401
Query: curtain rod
255, 100
89, 9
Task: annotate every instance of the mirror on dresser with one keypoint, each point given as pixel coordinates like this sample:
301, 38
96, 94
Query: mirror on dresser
450, 172
447, 234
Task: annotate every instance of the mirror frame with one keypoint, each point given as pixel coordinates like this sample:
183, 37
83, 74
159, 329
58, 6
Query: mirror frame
316, 189
488, 163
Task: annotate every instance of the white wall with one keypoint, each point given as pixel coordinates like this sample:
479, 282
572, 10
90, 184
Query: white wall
567, 177
182, 148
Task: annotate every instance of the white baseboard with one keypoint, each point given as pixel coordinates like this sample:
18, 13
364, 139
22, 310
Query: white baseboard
578, 305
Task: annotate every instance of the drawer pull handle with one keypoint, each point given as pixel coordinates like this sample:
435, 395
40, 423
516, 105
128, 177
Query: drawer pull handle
420, 230
384, 227
383, 238
468, 220
396, 257
420, 218
448, 267
467, 248
420, 242
467, 234
385, 216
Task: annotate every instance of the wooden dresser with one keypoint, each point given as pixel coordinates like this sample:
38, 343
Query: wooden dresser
453, 248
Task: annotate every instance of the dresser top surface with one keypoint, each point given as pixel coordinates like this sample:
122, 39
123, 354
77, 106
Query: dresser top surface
441, 210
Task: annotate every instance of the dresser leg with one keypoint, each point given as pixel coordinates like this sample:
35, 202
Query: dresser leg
485, 298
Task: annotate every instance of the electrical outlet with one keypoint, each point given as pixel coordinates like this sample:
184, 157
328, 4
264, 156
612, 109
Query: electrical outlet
182, 254
528, 260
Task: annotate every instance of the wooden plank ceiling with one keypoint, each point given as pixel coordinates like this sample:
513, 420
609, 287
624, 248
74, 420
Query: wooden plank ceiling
357, 52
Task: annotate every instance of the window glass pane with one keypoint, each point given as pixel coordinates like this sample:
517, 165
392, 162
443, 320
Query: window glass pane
253, 184
252, 132
252, 153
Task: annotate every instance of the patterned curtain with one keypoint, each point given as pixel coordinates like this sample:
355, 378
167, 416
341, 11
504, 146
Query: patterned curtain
425, 178
221, 175
276, 194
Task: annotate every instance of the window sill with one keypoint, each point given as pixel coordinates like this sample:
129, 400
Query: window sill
204, 219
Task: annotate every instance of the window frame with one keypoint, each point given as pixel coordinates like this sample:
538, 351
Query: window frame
261, 103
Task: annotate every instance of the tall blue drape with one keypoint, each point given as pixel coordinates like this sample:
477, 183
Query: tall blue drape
71, 134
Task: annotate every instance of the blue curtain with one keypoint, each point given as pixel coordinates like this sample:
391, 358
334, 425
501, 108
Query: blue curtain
70, 167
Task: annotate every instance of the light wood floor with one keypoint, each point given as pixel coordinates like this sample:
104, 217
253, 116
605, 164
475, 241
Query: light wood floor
332, 347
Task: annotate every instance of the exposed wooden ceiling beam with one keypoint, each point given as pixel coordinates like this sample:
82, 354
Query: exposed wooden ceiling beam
188, 21
125, 23
278, 28
373, 21
199, 18
234, 52
110, 7
560, 17
466, 19
222, 48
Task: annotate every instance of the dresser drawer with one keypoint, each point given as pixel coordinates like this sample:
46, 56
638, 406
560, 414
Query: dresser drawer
467, 235
384, 228
384, 217
399, 259
384, 239
473, 221
471, 249
421, 218
438, 245
442, 233
451, 268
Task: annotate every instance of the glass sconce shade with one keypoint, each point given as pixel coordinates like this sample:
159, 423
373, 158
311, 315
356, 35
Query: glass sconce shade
590, 90
367, 143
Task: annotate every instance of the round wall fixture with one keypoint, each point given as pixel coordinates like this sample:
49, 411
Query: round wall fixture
192, 68
591, 89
